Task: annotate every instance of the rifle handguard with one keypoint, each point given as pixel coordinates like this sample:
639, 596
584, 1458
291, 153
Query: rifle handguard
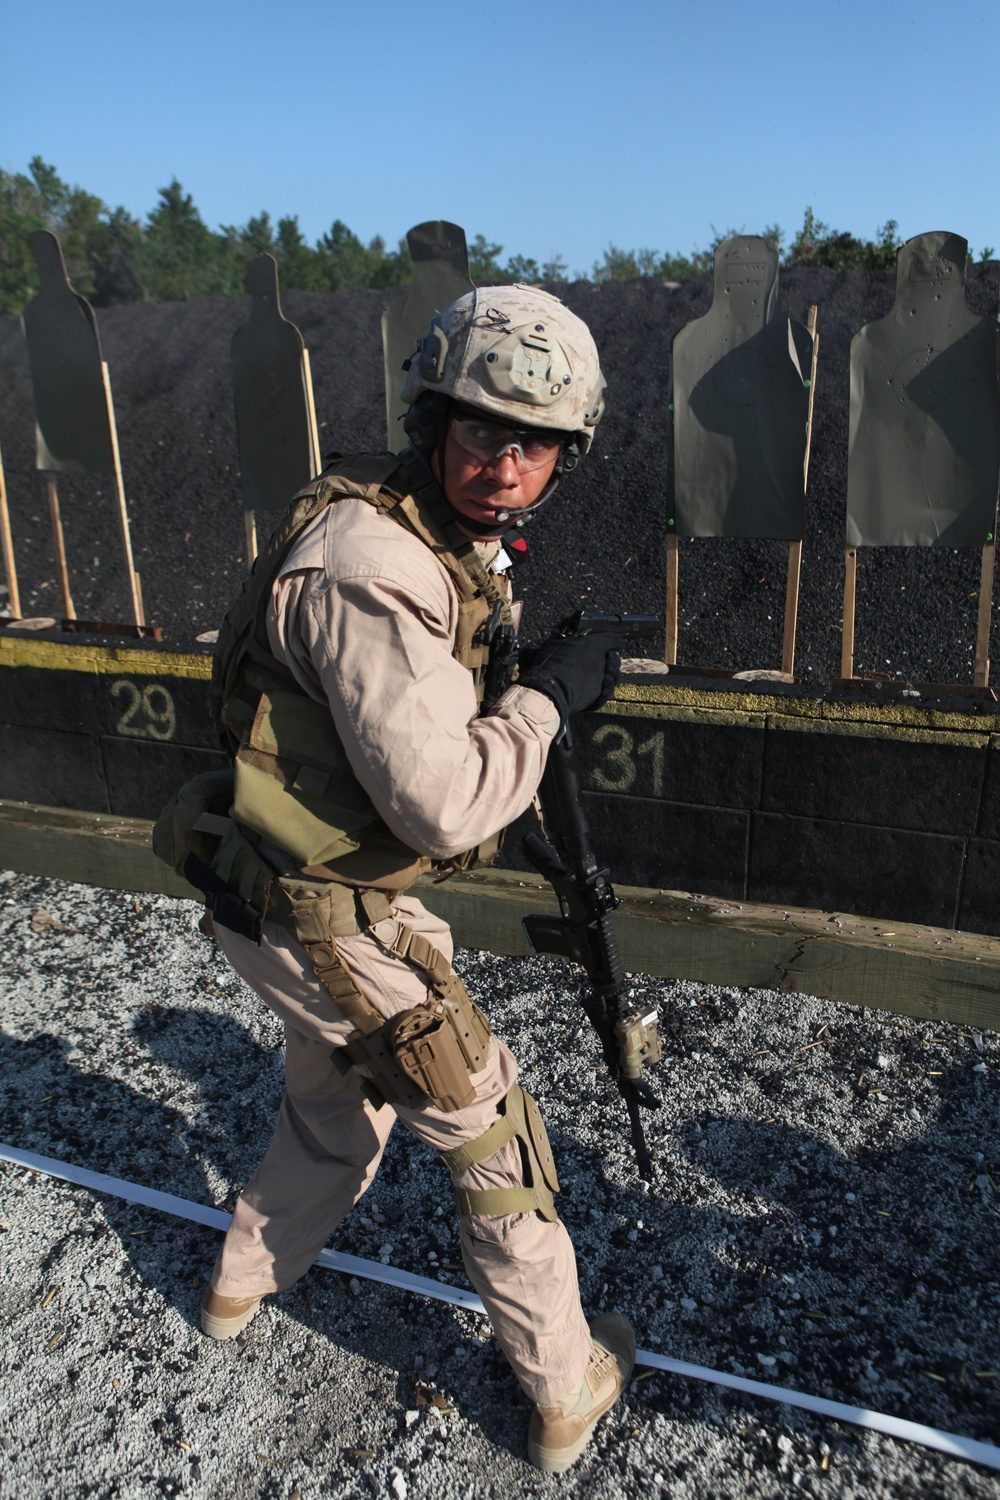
639, 1043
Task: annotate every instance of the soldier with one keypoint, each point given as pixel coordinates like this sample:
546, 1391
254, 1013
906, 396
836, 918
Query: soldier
349, 682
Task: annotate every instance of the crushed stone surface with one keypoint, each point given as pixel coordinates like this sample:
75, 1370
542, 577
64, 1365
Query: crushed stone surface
824, 1216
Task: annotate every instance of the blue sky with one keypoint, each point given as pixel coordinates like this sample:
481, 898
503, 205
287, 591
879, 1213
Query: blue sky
550, 128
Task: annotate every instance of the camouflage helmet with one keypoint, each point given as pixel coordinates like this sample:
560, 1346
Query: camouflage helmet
517, 353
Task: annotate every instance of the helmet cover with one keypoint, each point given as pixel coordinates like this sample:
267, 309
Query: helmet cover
516, 353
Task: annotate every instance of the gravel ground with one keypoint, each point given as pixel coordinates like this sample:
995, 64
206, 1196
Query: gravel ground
824, 1216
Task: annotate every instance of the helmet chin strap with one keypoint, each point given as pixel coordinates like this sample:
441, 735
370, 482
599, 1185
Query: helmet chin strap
508, 520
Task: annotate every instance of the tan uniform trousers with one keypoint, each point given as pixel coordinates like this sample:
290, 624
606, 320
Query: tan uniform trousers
329, 1140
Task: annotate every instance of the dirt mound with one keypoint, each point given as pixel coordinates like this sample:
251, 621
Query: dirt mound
602, 540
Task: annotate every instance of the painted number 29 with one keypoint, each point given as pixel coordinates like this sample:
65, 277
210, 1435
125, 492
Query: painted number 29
147, 713
623, 762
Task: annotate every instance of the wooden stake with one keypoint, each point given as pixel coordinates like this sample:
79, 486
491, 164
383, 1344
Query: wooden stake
981, 672
250, 525
57, 534
670, 654
133, 580
791, 607
307, 381
7, 543
850, 590
795, 548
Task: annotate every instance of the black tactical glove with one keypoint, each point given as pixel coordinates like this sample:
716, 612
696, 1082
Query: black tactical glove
575, 671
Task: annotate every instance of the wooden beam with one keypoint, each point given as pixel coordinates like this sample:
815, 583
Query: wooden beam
795, 548
91, 848
307, 382
791, 608
250, 532
811, 319
894, 966
135, 587
981, 669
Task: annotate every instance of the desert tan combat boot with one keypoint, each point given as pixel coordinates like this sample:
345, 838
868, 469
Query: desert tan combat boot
557, 1435
225, 1317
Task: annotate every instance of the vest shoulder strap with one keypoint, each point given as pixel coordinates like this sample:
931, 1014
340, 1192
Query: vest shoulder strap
422, 508
243, 652
401, 488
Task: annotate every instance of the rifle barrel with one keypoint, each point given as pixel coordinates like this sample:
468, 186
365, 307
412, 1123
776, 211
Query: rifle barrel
589, 622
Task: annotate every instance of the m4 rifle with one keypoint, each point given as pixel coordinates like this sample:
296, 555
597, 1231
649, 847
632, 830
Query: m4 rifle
584, 932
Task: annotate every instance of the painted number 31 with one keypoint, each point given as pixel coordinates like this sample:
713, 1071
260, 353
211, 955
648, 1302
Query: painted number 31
147, 713
621, 761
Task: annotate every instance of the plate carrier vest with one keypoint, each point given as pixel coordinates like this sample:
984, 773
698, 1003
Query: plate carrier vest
294, 783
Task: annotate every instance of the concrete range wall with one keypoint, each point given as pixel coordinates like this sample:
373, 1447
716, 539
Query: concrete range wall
880, 808
884, 807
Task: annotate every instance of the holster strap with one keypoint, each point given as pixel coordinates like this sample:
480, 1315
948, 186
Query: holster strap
481, 1149
417, 949
494, 1202
520, 1119
426, 1054
336, 977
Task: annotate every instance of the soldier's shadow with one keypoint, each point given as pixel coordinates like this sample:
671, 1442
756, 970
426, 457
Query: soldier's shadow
150, 1131
53, 1104
141, 1130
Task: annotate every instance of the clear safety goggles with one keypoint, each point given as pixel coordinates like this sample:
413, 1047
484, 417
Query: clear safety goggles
487, 442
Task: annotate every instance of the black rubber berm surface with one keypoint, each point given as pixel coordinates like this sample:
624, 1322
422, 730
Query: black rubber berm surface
602, 539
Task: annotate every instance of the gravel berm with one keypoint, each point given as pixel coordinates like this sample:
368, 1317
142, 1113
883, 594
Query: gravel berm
824, 1216
600, 542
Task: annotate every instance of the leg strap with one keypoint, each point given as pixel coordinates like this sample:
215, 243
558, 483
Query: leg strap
416, 949
482, 1148
522, 1120
337, 979
426, 1055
